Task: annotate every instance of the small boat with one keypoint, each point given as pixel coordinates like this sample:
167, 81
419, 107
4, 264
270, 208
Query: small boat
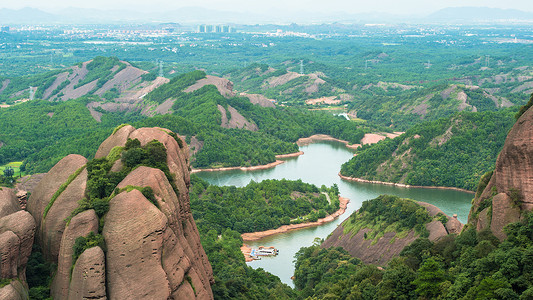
265, 251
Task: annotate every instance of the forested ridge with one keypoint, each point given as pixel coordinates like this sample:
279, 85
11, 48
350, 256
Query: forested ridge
259, 206
452, 152
40, 132
472, 265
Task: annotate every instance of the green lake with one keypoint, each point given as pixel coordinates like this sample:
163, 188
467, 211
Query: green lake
320, 165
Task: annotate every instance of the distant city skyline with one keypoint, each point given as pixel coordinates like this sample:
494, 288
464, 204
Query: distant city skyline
404, 7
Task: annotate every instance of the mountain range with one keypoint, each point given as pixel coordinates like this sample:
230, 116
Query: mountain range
202, 15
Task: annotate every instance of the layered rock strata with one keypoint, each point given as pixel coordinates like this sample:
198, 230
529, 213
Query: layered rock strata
152, 247
17, 229
509, 191
383, 249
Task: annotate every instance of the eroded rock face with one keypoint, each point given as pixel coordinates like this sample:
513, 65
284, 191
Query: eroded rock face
17, 230
152, 250
183, 255
15, 290
81, 225
133, 233
53, 225
389, 245
379, 253
118, 138
88, 276
42, 195
510, 189
8, 203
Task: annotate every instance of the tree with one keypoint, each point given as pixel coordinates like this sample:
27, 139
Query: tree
9, 172
428, 279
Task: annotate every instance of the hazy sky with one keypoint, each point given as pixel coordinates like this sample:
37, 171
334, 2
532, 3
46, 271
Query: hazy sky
269, 6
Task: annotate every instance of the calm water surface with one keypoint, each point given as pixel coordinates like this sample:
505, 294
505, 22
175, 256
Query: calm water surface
320, 165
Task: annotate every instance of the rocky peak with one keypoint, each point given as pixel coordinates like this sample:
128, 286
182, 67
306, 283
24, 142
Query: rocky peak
502, 199
139, 240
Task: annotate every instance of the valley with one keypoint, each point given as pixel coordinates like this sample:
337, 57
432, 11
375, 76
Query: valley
382, 160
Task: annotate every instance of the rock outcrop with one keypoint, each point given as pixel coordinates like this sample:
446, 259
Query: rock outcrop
151, 244
381, 250
17, 229
88, 276
509, 192
49, 233
81, 225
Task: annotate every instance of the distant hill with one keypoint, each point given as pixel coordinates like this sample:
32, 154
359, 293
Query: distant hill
26, 15
73, 15
486, 14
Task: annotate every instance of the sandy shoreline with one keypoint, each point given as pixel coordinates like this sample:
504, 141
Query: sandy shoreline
253, 236
405, 185
261, 167
295, 154
252, 168
369, 138
323, 137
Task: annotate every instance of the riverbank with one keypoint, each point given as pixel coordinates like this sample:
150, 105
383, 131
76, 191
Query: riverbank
323, 137
252, 168
404, 185
246, 251
369, 138
253, 236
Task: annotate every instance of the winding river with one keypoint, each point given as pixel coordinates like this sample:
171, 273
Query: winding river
320, 165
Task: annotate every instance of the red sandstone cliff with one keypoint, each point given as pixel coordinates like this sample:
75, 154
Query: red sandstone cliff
17, 228
383, 249
510, 189
152, 250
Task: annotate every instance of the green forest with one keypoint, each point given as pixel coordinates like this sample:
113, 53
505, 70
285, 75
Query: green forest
453, 151
472, 265
40, 132
223, 213
259, 206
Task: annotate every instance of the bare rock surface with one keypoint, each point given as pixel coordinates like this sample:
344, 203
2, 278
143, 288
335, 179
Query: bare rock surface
88, 276
504, 211
436, 230
53, 225
259, 99
378, 253
15, 290
80, 225
153, 250
8, 202
133, 234
9, 250
17, 229
383, 249
50, 183
22, 225
224, 86
118, 138
510, 189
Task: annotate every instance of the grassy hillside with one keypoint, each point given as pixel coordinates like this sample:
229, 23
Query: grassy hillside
387, 97
76, 81
41, 132
453, 151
